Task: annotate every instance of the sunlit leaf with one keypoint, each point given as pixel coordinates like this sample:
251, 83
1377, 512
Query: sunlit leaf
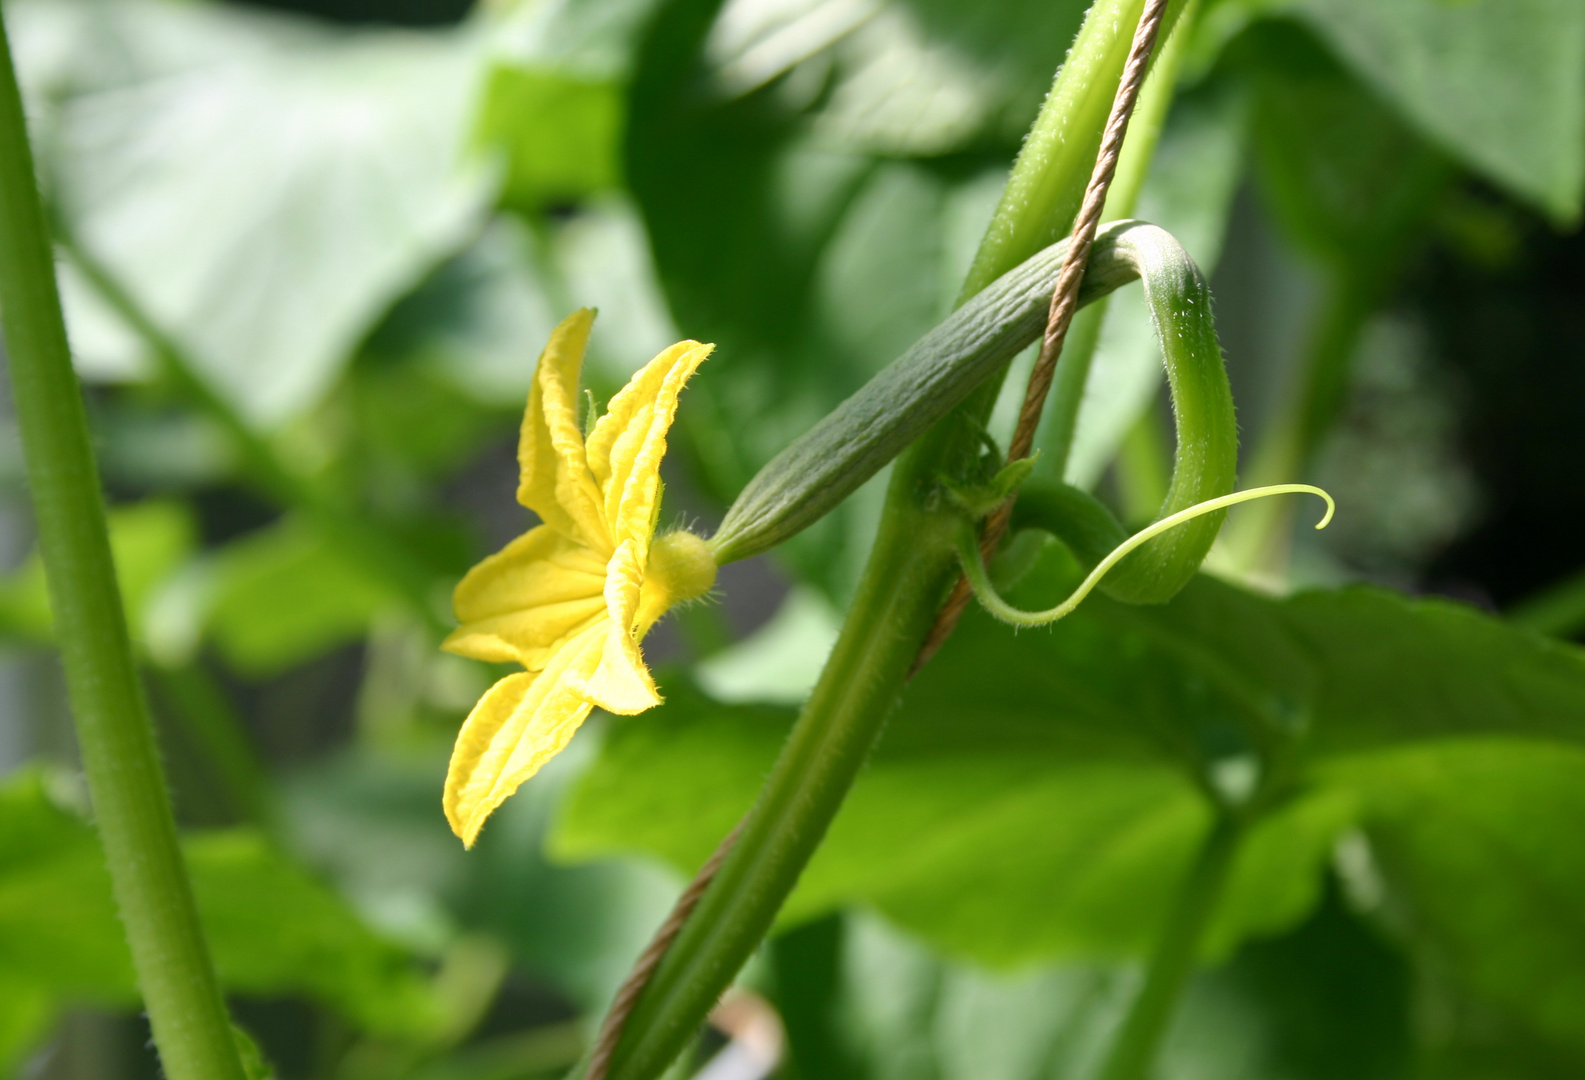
265, 187
559, 134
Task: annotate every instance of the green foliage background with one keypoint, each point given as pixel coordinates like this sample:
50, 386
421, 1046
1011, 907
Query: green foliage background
308, 266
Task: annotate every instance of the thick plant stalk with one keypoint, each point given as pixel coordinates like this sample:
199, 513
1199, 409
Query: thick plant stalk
1048, 182
909, 570
897, 600
136, 825
1064, 301
1061, 419
1139, 1038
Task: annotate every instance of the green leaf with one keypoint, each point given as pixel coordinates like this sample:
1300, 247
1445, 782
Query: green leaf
986, 850
559, 133
265, 186
1350, 180
273, 930
1499, 83
285, 594
59, 931
1328, 1001
927, 78
276, 931
373, 821
26, 1015
779, 662
1476, 839
478, 322
581, 926
1040, 794
602, 255
1022, 42
809, 264
811, 269
905, 78
595, 41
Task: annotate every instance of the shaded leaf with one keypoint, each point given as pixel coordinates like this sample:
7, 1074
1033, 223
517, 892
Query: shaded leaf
276, 931
478, 322
1350, 180
1499, 83
1327, 1001
373, 822
26, 1015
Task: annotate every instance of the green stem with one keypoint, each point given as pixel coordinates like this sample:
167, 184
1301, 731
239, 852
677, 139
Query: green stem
909, 571
1061, 419
133, 809
373, 548
208, 717
1047, 183
1258, 541
896, 603
1558, 610
1139, 1038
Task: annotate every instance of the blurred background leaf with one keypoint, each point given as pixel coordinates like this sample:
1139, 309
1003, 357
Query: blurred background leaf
355, 138
272, 929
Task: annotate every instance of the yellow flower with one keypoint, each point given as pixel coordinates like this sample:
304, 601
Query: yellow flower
572, 598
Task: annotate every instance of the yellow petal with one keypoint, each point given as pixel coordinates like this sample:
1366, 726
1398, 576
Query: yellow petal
521, 722
628, 442
520, 602
620, 682
555, 480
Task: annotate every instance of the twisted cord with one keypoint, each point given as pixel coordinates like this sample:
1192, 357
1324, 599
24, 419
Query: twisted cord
638, 978
1064, 302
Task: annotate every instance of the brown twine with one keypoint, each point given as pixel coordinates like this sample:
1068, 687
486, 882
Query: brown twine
638, 978
1064, 302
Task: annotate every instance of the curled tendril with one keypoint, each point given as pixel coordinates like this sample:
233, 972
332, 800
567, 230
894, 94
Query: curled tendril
985, 592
